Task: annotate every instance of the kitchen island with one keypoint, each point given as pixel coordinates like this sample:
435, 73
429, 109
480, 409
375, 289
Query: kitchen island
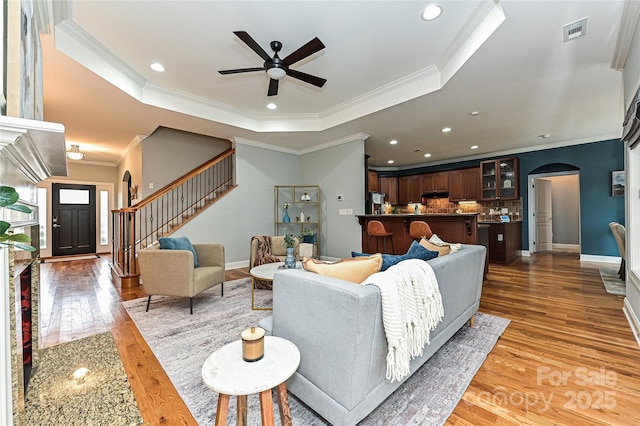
450, 227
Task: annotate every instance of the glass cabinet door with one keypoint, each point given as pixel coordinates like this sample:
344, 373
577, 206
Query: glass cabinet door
488, 170
507, 178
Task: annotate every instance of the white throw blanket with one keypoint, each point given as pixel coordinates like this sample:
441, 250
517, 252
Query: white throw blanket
411, 309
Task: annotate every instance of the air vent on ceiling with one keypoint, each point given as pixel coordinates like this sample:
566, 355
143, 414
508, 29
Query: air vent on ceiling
575, 29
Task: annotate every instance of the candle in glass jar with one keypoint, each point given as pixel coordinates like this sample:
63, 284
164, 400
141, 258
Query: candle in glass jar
252, 344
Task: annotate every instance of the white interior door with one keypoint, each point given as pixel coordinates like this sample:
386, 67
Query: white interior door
543, 218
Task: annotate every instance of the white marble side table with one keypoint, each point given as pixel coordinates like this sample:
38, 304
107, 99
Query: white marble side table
228, 374
265, 272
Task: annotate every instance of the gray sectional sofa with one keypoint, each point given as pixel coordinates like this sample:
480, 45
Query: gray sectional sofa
337, 325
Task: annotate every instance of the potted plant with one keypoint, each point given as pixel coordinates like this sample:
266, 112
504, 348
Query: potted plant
8, 199
289, 243
308, 236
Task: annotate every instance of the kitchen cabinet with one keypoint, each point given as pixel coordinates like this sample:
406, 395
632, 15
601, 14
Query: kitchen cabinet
505, 242
389, 185
500, 179
409, 189
464, 184
435, 182
372, 181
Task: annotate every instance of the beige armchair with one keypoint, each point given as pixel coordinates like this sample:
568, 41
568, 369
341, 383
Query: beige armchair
277, 249
171, 272
620, 234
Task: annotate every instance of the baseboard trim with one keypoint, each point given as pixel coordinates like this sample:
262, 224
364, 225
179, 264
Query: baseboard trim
634, 323
237, 265
525, 253
598, 258
558, 246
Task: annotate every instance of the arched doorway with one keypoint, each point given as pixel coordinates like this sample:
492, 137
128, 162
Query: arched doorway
126, 189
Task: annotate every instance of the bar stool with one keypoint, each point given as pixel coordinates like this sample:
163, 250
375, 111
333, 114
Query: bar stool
376, 229
419, 229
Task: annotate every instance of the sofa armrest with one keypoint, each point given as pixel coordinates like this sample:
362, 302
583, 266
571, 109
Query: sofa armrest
210, 254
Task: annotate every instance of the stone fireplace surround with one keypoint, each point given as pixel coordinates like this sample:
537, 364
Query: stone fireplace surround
30, 152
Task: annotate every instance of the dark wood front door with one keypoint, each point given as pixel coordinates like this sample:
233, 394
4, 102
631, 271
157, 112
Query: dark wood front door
74, 219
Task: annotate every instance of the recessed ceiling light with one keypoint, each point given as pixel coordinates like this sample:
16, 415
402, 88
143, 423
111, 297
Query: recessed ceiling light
427, 155
545, 136
390, 161
431, 12
272, 106
393, 142
157, 67
446, 130
474, 146
474, 113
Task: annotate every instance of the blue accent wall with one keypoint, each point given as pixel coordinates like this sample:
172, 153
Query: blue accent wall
595, 161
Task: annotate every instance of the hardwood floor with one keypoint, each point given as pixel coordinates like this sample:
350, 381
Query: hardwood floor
568, 356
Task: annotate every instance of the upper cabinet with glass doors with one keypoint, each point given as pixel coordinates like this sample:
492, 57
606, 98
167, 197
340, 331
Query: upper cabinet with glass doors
500, 179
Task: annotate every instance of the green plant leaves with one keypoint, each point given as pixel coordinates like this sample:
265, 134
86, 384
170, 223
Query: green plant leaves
8, 196
19, 208
4, 227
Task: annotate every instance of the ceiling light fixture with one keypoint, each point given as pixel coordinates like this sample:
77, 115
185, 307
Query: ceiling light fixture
474, 146
474, 113
276, 73
446, 130
393, 142
432, 12
74, 153
545, 136
272, 106
390, 161
158, 67
427, 155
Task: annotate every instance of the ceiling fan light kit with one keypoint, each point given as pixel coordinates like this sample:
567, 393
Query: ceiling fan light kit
277, 68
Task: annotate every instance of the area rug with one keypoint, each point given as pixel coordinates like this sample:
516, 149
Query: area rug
611, 280
70, 258
183, 342
104, 398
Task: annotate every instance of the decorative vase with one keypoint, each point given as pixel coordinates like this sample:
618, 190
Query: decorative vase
286, 217
290, 260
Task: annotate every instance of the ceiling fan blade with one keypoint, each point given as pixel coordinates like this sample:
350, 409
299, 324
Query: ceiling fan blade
249, 41
307, 78
239, 70
308, 49
273, 87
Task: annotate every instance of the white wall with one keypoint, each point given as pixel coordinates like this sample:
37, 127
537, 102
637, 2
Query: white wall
631, 80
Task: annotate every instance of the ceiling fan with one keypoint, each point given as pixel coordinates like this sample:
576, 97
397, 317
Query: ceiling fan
277, 68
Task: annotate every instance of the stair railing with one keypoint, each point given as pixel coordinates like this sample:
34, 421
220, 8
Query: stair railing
168, 209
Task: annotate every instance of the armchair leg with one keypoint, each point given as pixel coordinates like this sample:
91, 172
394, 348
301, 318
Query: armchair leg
148, 302
191, 304
222, 289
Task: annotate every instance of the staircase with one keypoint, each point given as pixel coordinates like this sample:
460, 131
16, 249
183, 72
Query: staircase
165, 211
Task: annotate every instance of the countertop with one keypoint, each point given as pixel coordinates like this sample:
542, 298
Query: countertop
418, 215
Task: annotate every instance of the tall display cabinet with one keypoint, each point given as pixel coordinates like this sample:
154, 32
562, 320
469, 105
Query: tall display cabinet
296, 210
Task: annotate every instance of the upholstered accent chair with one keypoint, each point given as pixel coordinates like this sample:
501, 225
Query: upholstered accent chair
620, 234
278, 249
172, 272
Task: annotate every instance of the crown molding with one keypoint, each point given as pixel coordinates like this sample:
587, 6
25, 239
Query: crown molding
628, 23
351, 138
36, 148
135, 142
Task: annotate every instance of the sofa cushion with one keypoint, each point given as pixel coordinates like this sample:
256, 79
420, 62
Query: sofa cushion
416, 251
180, 243
354, 270
442, 250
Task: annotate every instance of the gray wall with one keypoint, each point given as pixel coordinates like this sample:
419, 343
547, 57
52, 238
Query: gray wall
168, 154
248, 210
565, 194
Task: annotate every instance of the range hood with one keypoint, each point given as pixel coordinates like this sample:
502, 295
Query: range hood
428, 195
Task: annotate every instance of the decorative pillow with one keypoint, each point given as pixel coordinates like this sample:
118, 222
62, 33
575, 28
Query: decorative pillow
355, 270
416, 251
442, 250
437, 241
180, 243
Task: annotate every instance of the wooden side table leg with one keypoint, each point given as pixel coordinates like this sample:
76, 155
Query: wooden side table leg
266, 408
283, 405
222, 410
241, 417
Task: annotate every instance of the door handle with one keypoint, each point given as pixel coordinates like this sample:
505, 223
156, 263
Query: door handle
55, 225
